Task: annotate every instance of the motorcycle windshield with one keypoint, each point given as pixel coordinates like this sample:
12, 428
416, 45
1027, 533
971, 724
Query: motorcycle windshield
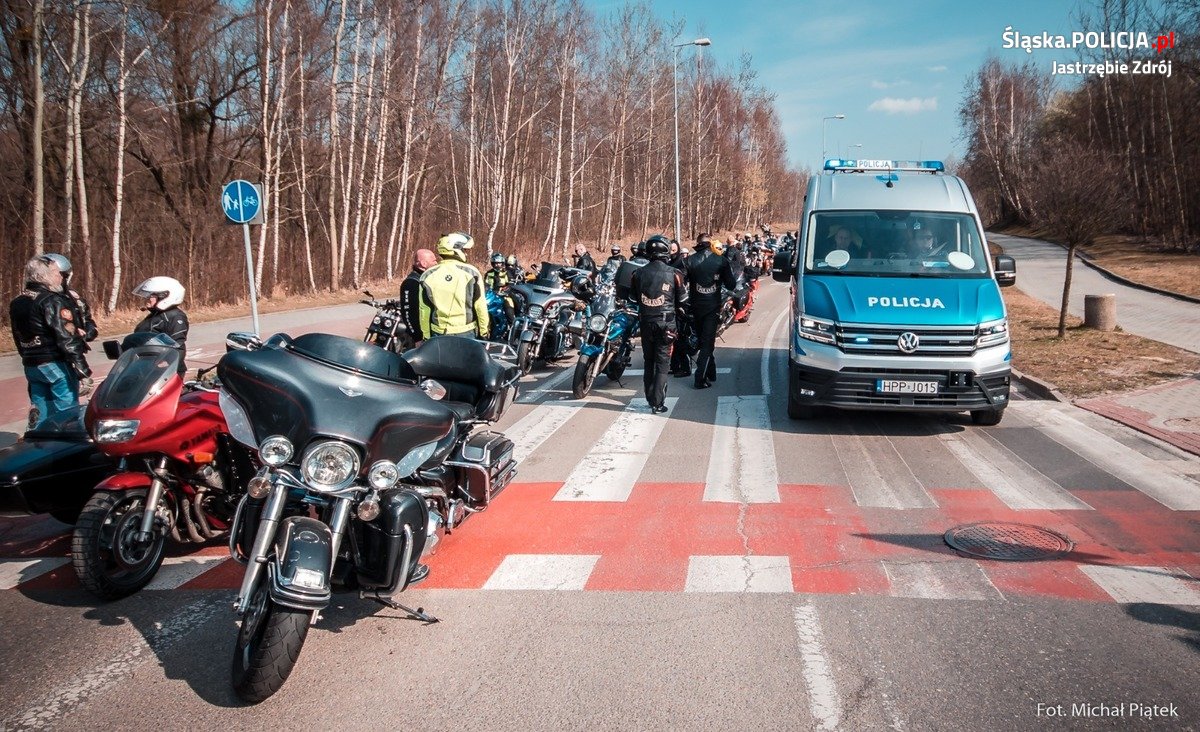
321, 386
140, 373
548, 276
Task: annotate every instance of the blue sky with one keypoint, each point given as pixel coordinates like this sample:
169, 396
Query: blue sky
895, 69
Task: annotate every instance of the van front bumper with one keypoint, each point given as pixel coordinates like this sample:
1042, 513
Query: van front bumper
979, 382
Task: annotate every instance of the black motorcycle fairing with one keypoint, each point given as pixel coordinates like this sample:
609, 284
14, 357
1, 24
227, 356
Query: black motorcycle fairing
50, 472
304, 397
302, 544
379, 545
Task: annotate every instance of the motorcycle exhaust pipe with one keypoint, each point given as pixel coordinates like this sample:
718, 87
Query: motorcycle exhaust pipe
185, 513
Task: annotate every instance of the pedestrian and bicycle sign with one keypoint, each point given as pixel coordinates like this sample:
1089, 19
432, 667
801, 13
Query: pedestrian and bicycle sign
242, 202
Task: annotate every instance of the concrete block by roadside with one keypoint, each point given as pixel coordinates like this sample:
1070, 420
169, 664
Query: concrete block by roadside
1042, 389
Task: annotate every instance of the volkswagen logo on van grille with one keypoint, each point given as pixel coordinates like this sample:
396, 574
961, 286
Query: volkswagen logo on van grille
908, 342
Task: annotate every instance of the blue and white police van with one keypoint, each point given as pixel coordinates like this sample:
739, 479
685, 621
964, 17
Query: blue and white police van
896, 301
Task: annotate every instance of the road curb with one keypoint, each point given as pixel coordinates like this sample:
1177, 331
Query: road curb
1043, 389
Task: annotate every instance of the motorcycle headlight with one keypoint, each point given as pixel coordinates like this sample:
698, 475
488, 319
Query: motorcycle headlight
387, 322
383, 475
598, 323
992, 333
535, 311
329, 466
817, 330
110, 431
275, 451
415, 459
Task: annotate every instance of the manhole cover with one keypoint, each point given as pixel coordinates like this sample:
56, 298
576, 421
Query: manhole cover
1011, 542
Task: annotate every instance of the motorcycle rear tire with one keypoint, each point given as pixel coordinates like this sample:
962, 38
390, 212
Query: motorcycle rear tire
268, 644
525, 357
109, 574
585, 376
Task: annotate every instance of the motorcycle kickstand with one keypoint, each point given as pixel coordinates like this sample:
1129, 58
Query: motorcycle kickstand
417, 614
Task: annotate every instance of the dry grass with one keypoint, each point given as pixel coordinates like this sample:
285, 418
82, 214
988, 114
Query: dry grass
1134, 258
1088, 362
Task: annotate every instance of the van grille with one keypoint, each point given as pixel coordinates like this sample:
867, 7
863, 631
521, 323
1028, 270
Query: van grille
882, 340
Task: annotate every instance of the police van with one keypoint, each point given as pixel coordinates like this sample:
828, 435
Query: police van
896, 302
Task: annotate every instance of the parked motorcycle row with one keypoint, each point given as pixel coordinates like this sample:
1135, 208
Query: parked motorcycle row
326, 463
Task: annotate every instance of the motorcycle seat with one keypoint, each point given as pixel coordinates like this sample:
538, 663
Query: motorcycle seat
462, 410
463, 360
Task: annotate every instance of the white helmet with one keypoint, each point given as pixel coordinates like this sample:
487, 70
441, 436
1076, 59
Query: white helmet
167, 289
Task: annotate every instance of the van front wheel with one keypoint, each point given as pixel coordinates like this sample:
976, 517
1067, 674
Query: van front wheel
987, 417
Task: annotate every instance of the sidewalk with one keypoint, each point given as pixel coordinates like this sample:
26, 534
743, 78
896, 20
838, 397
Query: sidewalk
1171, 411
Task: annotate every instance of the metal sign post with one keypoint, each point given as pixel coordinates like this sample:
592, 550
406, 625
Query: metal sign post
242, 202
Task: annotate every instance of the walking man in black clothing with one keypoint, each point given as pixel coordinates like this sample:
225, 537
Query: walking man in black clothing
661, 295
410, 294
681, 355
707, 272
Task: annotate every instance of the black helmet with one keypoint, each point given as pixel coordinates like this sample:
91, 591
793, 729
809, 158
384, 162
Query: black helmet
658, 247
639, 249
497, 259
582, 288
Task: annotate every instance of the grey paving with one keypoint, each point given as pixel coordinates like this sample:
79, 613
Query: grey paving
1041, 269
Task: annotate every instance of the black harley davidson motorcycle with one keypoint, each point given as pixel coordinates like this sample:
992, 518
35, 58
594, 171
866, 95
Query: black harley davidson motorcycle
369, 457
387, 329
544, 330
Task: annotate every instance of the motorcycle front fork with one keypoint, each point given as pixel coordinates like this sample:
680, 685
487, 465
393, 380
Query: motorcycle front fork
158, 485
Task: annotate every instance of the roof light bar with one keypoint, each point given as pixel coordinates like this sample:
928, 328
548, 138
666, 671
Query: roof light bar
928, 166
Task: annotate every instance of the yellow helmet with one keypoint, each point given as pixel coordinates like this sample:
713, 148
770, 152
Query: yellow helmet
455, 245
717, 246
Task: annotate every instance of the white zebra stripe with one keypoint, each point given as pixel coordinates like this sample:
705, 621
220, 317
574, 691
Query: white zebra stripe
609, 471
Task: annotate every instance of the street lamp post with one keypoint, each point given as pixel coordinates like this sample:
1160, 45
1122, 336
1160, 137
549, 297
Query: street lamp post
675, 79
823, 121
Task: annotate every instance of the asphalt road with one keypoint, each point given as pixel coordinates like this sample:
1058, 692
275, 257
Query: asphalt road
719, 567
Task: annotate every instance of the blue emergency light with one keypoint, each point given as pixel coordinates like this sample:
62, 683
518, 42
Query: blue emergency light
930, 166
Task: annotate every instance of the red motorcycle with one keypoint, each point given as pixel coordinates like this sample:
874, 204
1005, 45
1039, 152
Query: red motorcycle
181, 476
744, 301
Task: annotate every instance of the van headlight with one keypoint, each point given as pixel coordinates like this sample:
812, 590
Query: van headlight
329, 466
992, 333
598, 323
111, 431
815, 329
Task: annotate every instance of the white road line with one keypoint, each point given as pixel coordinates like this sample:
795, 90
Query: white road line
741, 464
738, 574
615, 462
155, 639
642, 372
767, 351
955, 579
543, 572
878, 475
529, 432
1159, 585
1152, 478
176, 571
822, 689
15, 571
1015, 482
551, 384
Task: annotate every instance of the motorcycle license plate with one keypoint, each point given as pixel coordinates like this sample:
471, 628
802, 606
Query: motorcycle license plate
895, 386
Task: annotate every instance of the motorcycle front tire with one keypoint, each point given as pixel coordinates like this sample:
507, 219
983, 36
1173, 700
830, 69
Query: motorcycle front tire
585, 376
525, 356
268, 644
106, 560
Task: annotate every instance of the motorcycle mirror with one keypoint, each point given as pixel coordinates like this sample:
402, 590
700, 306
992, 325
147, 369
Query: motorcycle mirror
368, 294
242, 341
433, 389
112, 349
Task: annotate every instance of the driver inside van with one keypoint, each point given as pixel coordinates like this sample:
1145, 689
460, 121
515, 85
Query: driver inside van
923, 241
847, 239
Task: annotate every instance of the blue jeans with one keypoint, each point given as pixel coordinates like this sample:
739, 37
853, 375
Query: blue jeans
53, 388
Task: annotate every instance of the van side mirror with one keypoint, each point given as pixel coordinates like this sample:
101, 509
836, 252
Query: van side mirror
1006, 270
112, 349
241, 341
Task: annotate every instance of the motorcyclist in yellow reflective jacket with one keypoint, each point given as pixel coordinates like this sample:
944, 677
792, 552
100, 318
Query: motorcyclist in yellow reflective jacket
452, 292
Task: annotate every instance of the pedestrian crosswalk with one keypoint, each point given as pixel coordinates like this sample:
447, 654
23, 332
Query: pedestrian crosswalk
740, 517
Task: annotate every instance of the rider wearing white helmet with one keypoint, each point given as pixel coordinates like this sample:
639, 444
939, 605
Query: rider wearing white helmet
452, 292
163, 296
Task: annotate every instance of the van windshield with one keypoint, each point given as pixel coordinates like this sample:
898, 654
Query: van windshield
895, 244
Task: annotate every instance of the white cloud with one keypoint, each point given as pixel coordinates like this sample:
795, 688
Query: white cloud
893, 105
876, 84
937, 68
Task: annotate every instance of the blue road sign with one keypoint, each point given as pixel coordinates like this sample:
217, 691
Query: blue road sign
240, 200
